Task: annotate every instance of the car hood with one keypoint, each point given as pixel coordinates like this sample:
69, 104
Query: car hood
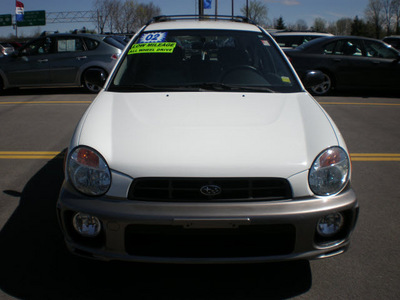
206, 134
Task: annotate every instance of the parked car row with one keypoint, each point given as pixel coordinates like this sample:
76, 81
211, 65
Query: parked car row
63, 59
348, 62
345, 62
59, 60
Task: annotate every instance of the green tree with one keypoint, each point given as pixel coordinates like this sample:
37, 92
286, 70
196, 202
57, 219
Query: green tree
360, 28
279, 23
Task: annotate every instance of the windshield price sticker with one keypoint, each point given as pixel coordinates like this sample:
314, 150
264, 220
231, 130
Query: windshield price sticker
152, 48
265, 43
153, 37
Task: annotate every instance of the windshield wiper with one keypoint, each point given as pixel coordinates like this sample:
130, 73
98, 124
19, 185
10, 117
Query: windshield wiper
209, 86
138, 87
215, 86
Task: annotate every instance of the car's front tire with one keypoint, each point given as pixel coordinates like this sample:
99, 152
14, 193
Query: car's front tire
89, 86
323, 88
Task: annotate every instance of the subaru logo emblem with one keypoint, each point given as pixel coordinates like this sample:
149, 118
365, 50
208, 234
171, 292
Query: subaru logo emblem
210, 190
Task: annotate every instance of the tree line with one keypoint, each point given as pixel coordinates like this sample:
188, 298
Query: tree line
123, 16
381, 18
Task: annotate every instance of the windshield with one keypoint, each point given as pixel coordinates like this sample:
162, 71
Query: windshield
219, 60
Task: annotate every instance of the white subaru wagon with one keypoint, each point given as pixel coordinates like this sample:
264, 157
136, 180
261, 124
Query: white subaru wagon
204, 147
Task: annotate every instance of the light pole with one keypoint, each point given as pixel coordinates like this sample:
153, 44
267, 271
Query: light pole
201, 8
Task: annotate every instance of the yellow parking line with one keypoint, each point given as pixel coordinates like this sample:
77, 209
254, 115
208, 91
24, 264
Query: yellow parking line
53, 154
360, 103
375, 156
45, 102
375, 159
28, 154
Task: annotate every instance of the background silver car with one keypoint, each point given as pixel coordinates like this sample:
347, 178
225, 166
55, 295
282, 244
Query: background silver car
6, 48
59, 60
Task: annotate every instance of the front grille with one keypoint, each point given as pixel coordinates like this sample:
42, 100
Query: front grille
229, 189
177, 241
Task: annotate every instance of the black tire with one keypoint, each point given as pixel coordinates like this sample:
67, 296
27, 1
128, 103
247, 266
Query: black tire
91, 88
324, 88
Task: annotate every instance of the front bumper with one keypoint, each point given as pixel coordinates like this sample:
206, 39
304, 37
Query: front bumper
203, 232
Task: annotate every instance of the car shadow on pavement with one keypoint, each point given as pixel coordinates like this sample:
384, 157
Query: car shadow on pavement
35, 263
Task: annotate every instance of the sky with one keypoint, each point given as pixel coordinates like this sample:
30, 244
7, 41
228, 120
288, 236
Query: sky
289, 10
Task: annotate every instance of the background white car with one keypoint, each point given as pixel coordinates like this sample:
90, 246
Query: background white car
292, 39
205, 147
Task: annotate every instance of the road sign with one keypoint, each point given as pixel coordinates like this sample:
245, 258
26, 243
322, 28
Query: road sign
33, 18
5, 20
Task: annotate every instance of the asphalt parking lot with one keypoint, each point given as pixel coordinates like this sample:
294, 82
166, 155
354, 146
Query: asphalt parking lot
36, 126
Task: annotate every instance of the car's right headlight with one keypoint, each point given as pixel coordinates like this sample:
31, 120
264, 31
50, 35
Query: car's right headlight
88, 171
330, 172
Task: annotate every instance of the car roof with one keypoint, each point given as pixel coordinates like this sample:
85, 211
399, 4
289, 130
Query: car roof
324, 39
89, 35
293, 33
392, 37
193, 22
79, 34
353, 37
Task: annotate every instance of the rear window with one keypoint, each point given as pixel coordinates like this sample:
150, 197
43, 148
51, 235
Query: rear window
114, 42
91, 44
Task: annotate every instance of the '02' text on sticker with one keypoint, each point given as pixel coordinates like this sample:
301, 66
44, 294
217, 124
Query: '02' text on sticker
153, 37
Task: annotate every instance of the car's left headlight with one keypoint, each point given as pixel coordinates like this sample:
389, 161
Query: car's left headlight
330, 172
88, 171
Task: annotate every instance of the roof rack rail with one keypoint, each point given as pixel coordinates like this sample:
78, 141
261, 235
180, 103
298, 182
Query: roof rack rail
164, 18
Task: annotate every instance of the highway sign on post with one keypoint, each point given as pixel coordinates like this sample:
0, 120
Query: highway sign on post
33, 18
5, 20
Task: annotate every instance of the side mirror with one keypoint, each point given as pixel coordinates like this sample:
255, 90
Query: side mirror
96, 77
313, 78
